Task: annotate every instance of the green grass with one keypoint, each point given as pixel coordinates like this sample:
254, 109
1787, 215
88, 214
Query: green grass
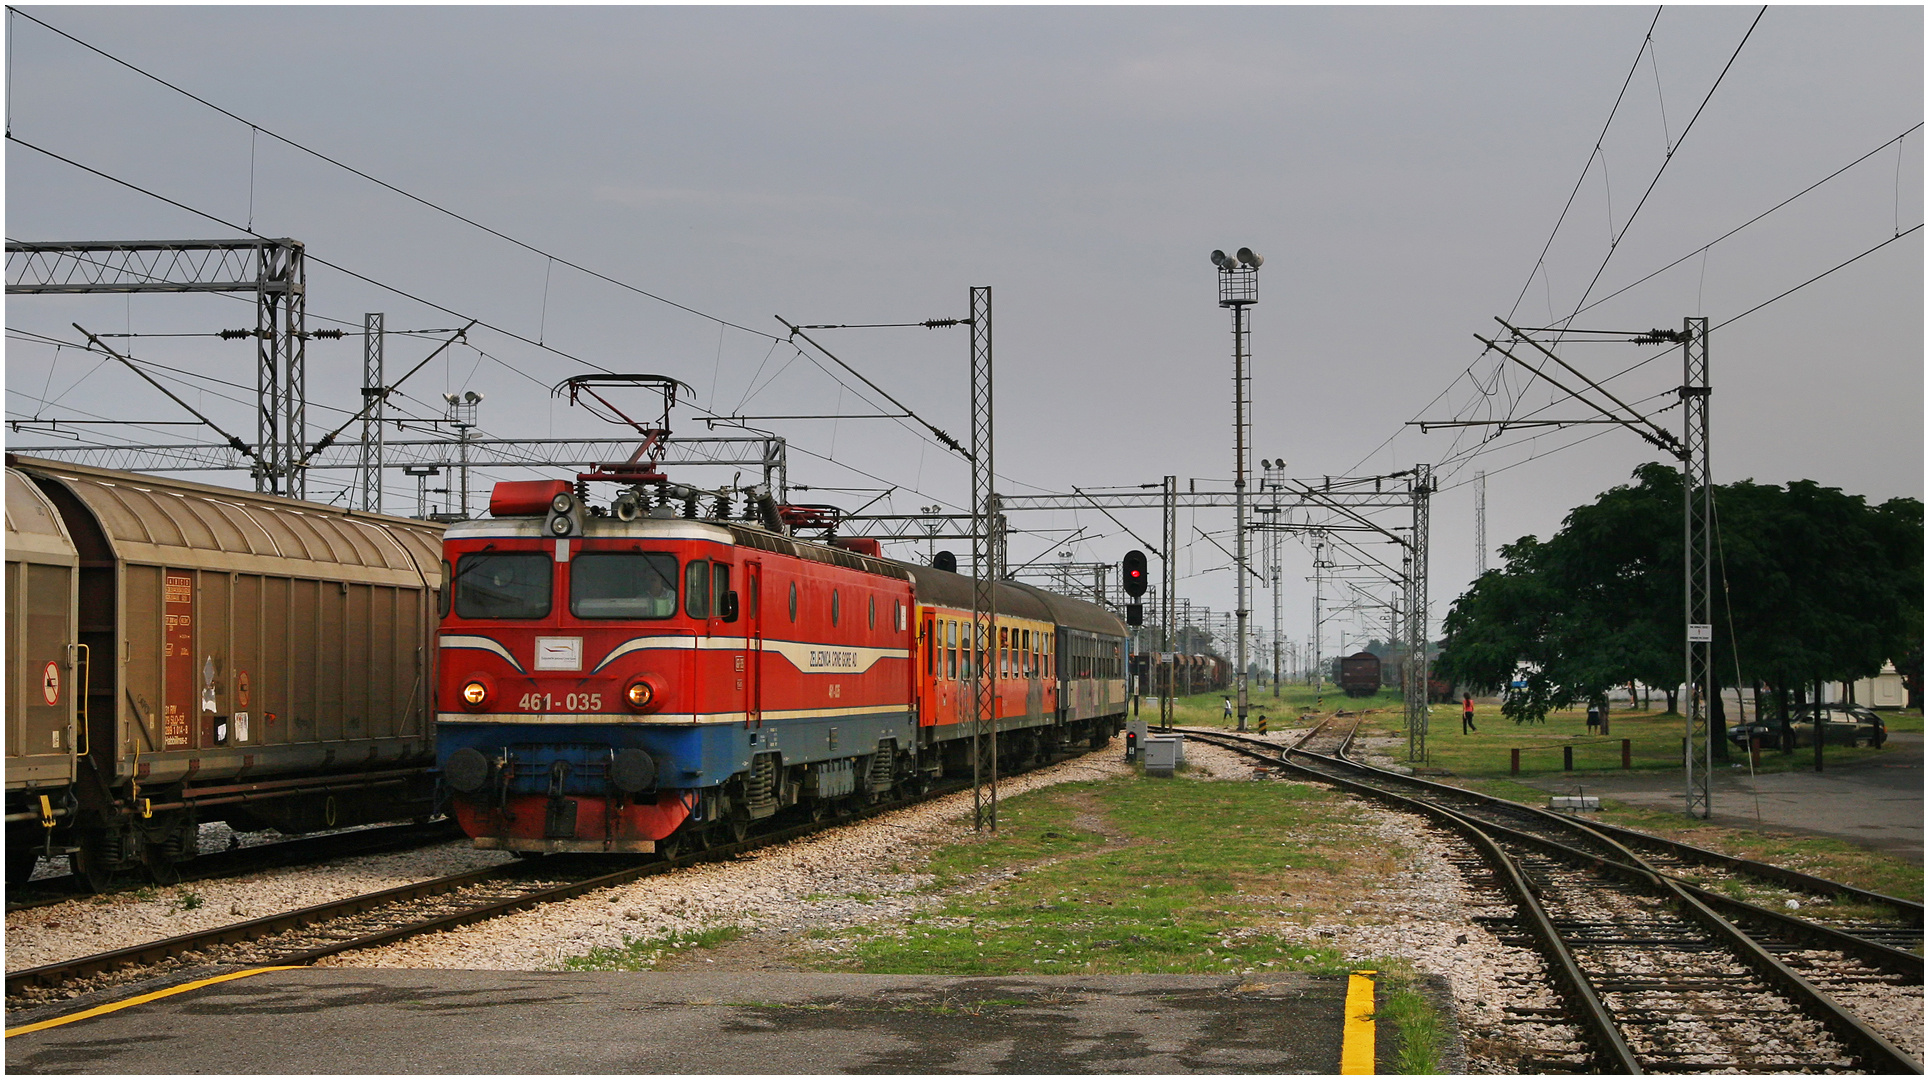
1905, 720
649, 954
1655, 744
1206, 877
1417, 1044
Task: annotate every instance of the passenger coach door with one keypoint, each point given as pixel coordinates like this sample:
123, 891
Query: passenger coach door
753, 632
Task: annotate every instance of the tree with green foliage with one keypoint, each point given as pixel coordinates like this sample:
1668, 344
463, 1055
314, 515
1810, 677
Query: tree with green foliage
1810, 583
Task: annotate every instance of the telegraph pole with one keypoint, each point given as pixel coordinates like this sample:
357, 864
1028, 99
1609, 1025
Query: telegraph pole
1238, 290
1168, 609
1319, 673
1416, 628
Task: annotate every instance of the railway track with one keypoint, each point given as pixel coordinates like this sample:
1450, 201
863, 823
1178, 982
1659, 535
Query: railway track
374, 919
235, 861
1655, 974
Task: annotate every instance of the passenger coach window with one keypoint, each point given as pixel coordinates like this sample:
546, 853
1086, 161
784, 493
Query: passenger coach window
696, 589
503, 585
623, 585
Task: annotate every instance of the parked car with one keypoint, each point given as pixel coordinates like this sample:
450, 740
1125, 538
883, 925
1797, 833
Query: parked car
1769, 733
1842, 725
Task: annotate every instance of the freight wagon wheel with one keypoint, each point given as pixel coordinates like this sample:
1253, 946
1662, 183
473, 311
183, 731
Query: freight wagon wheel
91, 868
162, 869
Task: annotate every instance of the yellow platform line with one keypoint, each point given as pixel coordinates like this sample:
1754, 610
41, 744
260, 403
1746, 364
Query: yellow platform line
116, 1006
1356, 1042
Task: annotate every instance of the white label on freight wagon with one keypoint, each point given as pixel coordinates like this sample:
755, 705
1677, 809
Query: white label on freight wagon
559, 654
240, 727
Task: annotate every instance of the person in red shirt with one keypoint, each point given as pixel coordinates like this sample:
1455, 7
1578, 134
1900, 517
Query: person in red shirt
1467, 715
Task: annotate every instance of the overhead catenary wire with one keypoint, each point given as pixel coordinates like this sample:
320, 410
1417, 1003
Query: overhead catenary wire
385, 185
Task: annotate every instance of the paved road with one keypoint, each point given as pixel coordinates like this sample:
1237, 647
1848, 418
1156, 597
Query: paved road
1876, 803
349, 1020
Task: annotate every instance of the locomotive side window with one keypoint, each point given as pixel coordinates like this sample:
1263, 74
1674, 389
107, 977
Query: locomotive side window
793, 601
696, 589
623, 585
834, 607
719, 584
873, 615
897, 615
444, 594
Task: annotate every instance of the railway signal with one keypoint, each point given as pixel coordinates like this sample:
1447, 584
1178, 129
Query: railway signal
1135, 586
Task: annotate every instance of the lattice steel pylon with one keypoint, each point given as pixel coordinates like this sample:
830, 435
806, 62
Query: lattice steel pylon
1480, 524
271, 269
1697, 494
370, 462
987, 568
1414, 675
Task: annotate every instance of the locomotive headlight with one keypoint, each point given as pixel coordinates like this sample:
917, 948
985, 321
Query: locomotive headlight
474, 693
640, 695
559, 524
562, 502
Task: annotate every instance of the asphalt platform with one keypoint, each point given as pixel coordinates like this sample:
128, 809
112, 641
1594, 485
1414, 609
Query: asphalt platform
1875, 803
352, 1020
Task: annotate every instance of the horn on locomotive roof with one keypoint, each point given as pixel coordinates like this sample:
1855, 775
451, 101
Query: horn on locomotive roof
641, 468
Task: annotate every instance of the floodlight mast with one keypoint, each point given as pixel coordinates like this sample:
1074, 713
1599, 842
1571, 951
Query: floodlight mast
1239, 289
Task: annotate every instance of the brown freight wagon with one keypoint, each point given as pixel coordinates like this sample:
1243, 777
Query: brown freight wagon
41, 602
253, 659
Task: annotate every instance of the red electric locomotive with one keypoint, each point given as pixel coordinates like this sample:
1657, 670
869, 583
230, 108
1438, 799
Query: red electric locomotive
632, 678
630, 681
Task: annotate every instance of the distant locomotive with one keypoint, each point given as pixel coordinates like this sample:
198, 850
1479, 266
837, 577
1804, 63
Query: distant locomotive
640, 679
1358, 675
179, 653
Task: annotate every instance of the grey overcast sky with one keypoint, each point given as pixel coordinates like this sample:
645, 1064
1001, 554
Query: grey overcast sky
1401, 169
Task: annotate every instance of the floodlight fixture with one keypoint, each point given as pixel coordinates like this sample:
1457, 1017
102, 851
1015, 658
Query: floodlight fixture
1219, 259
1251, 258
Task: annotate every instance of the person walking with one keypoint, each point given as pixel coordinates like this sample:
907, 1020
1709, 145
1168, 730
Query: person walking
1228, 708
1467, 715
